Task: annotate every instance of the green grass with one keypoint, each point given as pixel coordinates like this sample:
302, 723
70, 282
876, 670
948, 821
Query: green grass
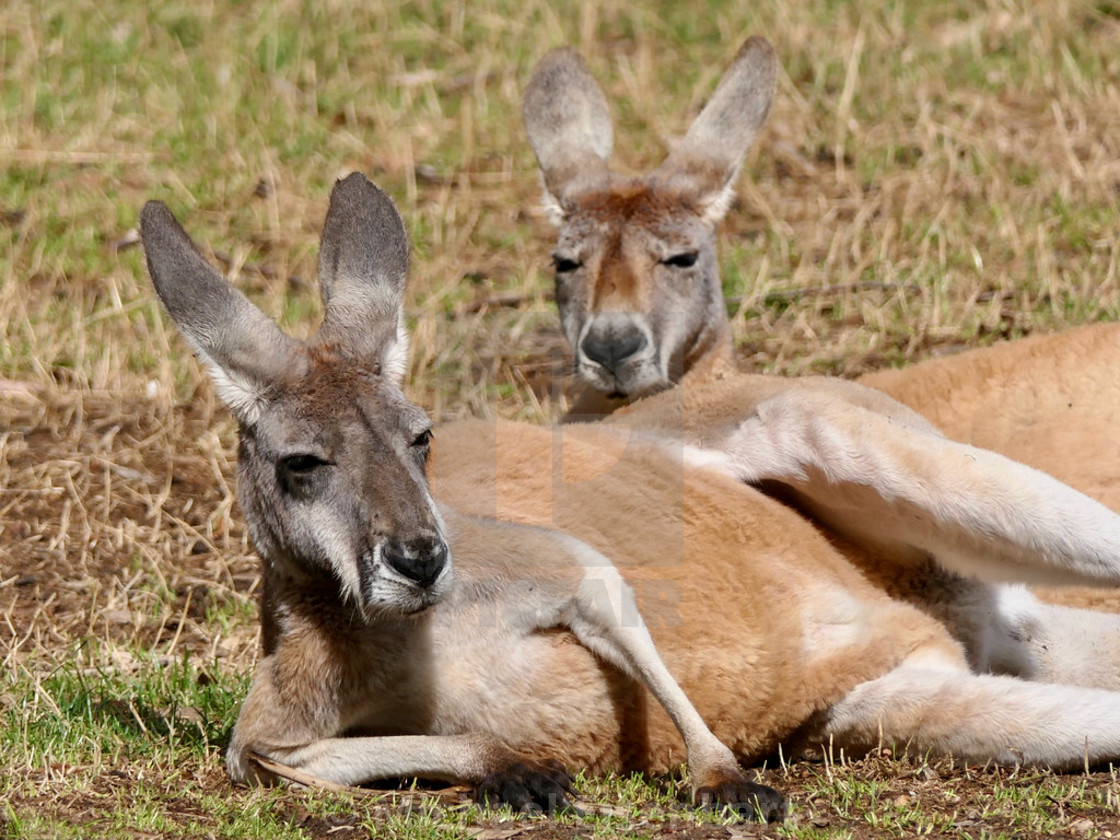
82, 709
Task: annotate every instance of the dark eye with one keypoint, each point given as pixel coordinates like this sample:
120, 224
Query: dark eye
303, 464
299, 474
687, 259
422, 448
563, 265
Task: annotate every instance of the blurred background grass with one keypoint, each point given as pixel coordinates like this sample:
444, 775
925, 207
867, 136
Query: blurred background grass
934, 174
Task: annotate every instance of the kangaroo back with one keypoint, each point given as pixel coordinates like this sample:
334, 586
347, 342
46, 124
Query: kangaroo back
1050, 401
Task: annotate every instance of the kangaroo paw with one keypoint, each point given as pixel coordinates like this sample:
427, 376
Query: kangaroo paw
749, 800
529, 786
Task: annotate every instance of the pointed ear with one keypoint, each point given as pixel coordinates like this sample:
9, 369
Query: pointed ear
246, 352
706, 161
569, 126
363, 267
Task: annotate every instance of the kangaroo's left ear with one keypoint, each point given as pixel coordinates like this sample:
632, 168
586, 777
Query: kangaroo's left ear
363, 267
246, 353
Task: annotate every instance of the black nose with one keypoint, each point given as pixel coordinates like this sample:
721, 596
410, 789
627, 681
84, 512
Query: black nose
612, 348
420, 560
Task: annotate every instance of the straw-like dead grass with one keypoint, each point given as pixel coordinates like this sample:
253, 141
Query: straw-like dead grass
934, 175
119, 521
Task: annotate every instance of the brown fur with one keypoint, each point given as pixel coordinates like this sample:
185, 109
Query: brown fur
1036, 400
380, 660
637, 282
1050, 401
769, 568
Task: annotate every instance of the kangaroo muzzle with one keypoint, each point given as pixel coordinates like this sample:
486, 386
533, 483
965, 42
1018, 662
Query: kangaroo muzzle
420, 560
611, 349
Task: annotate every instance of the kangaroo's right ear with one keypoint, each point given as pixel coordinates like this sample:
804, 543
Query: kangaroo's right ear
363, 268
246, 352
569, 126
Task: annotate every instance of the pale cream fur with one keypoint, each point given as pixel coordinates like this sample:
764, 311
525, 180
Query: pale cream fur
1051, 401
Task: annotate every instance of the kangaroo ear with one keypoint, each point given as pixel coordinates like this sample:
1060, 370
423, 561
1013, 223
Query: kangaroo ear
244, 350
363, 267
706, 161
569, 126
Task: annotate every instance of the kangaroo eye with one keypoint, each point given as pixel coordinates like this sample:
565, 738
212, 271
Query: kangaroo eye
303, 464
422, 440
563, 265
301, 475
686, 259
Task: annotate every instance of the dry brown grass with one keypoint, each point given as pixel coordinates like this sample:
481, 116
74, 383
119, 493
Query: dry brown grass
120, 526
933, 175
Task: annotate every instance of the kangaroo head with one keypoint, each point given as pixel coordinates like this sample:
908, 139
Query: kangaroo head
637, 277
331, 469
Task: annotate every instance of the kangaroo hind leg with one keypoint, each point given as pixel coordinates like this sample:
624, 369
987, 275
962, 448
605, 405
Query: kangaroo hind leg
931, 703
1029, 638
899, 483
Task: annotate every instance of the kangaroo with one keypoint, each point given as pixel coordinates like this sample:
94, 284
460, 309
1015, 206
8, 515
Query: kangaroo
640, 300
369, 627
1050, 401
517, 615
637, 277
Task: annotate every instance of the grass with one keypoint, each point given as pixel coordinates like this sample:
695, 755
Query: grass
934, 175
